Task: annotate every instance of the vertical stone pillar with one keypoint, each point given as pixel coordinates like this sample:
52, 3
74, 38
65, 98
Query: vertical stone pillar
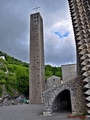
77, 99
36, 58
80, 14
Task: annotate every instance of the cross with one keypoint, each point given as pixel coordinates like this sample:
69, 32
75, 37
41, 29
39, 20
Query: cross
36, 8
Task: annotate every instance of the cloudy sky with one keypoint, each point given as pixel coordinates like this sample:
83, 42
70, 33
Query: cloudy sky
58, 32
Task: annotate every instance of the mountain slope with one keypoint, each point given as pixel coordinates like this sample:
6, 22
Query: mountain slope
14, 75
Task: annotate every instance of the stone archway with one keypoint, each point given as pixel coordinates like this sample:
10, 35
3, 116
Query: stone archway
62, 102
67, 92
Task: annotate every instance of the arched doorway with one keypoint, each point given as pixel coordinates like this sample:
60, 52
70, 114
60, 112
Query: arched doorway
62, 102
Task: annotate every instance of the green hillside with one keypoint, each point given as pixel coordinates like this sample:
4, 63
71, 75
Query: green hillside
14, 75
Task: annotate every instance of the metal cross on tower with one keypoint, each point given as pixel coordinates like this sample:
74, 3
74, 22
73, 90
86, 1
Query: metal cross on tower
36, 8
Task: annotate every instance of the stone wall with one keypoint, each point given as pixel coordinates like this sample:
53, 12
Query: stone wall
37, 76
80, 15
77, 99
52, 82
68, 72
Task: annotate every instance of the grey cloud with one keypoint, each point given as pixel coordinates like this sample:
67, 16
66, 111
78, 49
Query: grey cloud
12, 30
65, 54
15, 23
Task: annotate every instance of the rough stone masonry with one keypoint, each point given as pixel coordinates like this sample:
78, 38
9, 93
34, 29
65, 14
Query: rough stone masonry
36, 58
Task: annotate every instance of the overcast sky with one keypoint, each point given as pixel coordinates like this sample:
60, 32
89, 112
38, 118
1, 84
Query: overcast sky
59, 44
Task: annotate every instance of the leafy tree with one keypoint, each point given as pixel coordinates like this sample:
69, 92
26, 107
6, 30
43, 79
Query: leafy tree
22, 76
50, 71
0, 91
11, 83
3, 65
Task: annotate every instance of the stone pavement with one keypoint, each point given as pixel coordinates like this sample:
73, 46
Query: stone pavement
30, 112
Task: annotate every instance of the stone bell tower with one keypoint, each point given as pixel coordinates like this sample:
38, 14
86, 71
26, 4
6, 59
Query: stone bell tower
36, 58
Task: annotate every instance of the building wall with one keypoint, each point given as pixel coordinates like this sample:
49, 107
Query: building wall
36, 58
80, 14
76, 96
2, 57
68, 72
52, 82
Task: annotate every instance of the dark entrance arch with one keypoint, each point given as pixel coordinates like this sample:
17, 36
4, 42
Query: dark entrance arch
62, 102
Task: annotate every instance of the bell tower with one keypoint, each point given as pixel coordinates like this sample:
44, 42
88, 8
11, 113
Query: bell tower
36, 58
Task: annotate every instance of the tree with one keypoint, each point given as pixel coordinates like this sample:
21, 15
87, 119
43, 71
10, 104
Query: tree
22, 76
50, 71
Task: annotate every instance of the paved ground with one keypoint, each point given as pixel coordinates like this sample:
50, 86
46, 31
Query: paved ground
30, 112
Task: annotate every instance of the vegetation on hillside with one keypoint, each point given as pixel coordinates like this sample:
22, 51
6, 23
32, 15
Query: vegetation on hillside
50, 71
14, 75
12, 60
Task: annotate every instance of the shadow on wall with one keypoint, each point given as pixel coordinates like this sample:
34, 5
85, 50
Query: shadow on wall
62, 102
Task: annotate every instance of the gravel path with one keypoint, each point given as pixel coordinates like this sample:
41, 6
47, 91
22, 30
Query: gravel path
29, 112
